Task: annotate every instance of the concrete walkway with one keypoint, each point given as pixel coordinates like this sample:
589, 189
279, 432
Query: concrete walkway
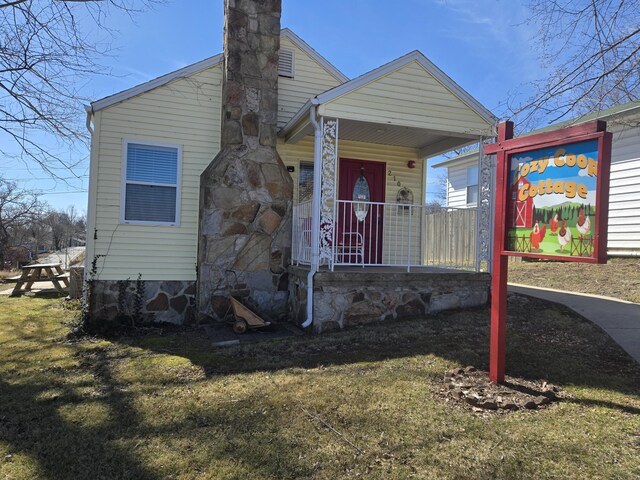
619, 318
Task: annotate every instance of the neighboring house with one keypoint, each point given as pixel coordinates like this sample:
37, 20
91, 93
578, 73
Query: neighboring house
351, 195
624, 194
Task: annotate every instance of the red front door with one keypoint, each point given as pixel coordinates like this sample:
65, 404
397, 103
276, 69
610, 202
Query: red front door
360, 222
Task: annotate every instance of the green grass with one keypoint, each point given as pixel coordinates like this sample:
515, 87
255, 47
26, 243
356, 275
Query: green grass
550, 244
619, 278
168, 405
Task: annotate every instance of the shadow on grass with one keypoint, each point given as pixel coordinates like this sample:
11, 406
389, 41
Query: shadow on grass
31, 422
545, 341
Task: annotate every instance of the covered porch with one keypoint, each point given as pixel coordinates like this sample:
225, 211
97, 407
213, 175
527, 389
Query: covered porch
367, 229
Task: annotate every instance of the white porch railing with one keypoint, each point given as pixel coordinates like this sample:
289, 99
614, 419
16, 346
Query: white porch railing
301, 235
391, 234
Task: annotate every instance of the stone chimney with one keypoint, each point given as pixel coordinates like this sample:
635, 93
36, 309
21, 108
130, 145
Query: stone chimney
246, 192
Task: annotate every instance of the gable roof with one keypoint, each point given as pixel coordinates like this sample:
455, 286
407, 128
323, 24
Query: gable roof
621, 110
207, 63
386, 69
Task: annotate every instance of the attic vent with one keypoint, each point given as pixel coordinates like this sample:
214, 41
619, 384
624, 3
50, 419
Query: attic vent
285, 64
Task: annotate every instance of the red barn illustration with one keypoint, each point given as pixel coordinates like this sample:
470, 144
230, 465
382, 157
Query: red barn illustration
520, 212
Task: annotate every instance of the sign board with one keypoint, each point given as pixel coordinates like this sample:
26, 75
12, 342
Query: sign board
552, 206
551, 202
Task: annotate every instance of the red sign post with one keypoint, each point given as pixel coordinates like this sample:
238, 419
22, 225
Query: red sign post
548, 187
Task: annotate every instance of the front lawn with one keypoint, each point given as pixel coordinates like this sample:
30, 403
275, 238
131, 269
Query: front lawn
619, 278
357, 404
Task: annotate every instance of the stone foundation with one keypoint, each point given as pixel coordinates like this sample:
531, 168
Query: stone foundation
345, 299
114, 302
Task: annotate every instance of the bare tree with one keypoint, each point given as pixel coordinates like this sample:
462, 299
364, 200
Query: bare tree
17, 208
46, 52
591, 49
66, 227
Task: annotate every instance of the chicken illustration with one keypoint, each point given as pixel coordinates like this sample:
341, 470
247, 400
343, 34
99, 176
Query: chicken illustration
564, 235
584, 224
553, 224
537, 235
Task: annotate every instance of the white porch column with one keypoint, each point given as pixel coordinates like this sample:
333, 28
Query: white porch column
484, 214
327, 190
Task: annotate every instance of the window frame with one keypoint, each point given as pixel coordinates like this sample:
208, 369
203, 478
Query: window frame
307, 163
477, 185
125, 182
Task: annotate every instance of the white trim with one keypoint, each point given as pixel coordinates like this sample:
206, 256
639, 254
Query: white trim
156, 82
124, 182
333, 71
477, 185
386, 69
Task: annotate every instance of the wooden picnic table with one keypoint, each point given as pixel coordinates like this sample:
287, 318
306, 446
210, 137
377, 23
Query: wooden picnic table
34, 273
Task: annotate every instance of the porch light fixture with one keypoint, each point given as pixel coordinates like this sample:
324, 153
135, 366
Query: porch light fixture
411, 164
361, 193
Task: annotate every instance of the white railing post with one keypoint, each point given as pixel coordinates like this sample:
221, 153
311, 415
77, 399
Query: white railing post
409, 240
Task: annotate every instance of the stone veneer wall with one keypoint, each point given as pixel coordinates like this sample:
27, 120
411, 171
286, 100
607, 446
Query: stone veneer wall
112, 302
344, 299
246, 191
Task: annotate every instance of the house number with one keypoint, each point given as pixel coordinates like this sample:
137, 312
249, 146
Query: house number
390, 174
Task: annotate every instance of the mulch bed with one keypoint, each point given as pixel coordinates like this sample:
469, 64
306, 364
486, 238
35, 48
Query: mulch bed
470, 388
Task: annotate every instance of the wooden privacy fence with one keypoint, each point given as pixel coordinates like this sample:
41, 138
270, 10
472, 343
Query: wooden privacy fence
450, 238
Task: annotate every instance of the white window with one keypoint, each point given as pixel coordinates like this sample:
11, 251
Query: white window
151, 183
305, 182
285, 63
472, 185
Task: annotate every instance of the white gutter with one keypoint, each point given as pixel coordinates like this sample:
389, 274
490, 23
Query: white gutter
89, 111
315, 210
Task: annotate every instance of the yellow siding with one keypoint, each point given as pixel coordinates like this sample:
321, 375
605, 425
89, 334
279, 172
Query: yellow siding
409, 96
396, 160
310, 79
185, 112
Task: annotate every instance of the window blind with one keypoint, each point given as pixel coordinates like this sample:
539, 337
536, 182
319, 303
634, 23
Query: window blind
151, 183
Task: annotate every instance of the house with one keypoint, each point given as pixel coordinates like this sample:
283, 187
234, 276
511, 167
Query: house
266, 174
624, 193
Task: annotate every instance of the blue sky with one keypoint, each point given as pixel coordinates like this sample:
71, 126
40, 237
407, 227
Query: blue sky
485, 46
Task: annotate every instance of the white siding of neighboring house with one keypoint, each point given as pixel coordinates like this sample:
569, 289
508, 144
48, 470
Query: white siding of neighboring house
457, 184
624, 196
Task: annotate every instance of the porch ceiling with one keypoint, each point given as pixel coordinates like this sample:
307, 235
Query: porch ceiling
429, 142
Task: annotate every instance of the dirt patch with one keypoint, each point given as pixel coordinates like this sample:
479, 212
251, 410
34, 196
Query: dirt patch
471, 389
619, 278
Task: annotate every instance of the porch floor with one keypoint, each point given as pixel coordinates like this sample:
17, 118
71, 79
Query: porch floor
381, 270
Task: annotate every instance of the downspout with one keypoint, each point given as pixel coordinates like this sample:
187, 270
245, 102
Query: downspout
87, 259
315, 209
89, 110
